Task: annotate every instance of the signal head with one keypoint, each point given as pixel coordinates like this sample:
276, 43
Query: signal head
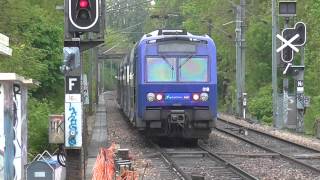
84, 3
83, 15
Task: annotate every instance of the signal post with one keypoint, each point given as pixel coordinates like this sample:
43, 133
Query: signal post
81, 17
292, 42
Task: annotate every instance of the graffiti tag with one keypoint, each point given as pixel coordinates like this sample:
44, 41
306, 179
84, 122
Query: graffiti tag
73, 125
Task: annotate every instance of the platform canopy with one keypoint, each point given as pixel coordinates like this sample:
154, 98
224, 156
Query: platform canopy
16, 77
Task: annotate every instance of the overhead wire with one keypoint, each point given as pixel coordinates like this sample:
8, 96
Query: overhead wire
129, 6
118, 31
117, 4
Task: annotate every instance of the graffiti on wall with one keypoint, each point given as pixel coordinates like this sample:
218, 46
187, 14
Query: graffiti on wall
17, 125
73, 125
2, 137
13, 130
85, 89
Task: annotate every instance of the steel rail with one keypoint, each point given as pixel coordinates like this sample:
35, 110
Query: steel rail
233, 167
171, 163
317, 170
270, 135
214, 157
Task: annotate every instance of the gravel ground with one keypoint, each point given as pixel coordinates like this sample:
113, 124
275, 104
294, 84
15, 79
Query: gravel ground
263, 168
145, 160
299, 139
278, 145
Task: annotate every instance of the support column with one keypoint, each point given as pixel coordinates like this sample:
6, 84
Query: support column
283, 123
300, 97
274, 65
238, 61
13, 125
243, 58
240, 57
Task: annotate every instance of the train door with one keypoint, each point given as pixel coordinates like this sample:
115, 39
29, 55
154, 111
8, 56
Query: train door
127, 89
122, 85
131, 86
118, 85
135, 88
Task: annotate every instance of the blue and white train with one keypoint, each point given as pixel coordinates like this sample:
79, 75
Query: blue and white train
167, 85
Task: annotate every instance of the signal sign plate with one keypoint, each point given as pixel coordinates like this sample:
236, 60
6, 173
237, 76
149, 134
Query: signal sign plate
300, 83
291, 39
73, 84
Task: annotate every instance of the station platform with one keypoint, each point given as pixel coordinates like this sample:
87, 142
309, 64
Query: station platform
97, 130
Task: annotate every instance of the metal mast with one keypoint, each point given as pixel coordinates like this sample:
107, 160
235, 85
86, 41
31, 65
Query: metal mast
274, 64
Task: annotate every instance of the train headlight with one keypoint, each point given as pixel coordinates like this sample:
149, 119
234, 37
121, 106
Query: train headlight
159, 97
204, 96
151, 97
195, 97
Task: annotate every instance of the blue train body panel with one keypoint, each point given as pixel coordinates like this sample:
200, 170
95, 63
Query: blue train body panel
173, 82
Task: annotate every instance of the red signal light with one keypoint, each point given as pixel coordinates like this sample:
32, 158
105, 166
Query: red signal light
84, 4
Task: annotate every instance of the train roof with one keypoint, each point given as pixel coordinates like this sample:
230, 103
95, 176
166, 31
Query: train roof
164, 34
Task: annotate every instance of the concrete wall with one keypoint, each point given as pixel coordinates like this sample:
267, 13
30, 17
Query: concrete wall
13, 128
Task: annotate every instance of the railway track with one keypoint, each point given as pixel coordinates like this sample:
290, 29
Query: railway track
304, 156
199, 163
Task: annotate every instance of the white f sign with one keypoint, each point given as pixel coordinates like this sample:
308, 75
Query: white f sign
71, 83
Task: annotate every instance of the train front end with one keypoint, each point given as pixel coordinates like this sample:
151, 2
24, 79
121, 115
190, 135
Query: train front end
177, 85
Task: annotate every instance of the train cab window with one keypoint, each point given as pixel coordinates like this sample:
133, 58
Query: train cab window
193, 69
161, 69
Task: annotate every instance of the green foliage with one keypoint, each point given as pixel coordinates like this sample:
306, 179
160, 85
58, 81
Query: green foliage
35, 29
258, 58
312, 114
38, 115
195, 16
109, 76
36, 45
260, 105
116, 40
127, 17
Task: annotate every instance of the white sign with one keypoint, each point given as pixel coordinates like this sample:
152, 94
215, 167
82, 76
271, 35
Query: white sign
73, 84
4, 40
73, 98
73, 125
300, 83
39, 174
4, 50
288, 43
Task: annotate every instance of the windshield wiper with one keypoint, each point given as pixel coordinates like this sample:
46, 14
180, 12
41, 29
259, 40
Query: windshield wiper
171, 66
186, 60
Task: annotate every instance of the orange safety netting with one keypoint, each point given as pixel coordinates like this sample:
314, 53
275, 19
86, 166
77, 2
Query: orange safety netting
128, 175
104, 168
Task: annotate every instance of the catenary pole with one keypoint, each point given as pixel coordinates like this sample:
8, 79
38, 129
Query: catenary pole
238, 61
243, 55
274, 65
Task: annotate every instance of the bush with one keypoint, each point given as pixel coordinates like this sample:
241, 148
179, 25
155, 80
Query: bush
261, 105
38, 115
312, 113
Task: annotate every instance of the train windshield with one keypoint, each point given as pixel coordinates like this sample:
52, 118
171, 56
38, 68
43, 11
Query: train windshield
161, 69
193, 69
189, 69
